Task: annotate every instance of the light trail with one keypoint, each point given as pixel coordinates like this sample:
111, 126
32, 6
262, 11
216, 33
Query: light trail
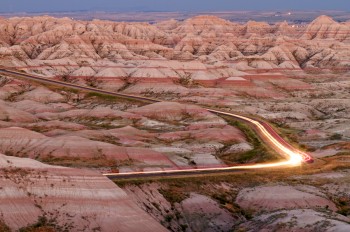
294, 157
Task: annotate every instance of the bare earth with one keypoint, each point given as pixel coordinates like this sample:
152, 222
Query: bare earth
57, 142
74, 199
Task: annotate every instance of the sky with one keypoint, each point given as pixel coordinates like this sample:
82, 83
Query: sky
169, 5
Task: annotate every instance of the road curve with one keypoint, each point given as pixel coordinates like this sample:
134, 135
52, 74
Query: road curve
293, 156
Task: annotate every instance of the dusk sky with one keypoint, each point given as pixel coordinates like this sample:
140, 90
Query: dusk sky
170, 5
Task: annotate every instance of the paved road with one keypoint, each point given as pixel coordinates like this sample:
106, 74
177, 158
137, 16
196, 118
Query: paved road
293, 156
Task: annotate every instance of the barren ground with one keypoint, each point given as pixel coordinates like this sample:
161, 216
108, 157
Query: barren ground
294, 76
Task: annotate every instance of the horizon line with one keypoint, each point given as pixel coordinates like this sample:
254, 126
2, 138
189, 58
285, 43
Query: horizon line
164, 11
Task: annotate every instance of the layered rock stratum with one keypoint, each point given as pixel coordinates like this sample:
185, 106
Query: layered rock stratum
86, 48
295, 76
72, 199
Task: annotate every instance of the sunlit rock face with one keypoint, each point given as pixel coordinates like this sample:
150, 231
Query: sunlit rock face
72, 199
65, 46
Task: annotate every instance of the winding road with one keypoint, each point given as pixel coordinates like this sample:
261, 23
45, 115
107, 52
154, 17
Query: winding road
294, 157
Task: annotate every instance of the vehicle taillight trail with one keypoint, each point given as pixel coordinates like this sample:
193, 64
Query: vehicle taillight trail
294, 157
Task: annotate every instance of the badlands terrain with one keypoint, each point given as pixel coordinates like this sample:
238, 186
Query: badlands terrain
56, 142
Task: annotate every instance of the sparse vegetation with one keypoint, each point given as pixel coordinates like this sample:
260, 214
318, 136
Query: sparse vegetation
173, 193
336, 136
93, 81
185, 80
309, 111
99, 161
343, 204
260, 153
48, 222
4, 80
128, 82
67, 78
4, 227
43, 224
110, 98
